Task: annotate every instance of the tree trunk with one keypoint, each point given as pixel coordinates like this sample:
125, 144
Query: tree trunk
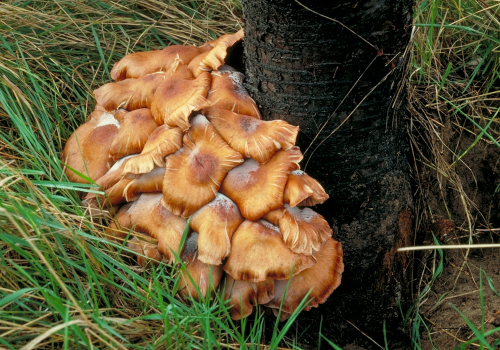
299, 67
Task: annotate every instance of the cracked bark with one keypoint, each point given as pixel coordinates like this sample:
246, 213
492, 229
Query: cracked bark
299, 67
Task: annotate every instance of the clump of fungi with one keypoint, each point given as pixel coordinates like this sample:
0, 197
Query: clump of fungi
177, 136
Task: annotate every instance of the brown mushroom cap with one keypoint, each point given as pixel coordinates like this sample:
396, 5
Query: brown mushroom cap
258, 253
243, 295
174, 100
194, 173
303, 230
162, 142
214, 58
258, 188
252, 137
205, 276
302, 190
322, 279
145, 183
135, 129
87, 150
138, 64
129, 94
144, 247
216, 223
149, 216
227, 92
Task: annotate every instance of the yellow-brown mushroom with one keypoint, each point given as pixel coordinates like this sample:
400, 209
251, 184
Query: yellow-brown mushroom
258, 253
194, 173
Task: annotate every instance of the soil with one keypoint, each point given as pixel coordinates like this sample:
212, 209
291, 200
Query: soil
473, 181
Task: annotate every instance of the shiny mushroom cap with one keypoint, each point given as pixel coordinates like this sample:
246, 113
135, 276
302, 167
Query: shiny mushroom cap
252, 137
216, 223
321, 279
258, 188
227, 92
304, 191
258, 253
87, 150
194, 173
135, 129
175, 100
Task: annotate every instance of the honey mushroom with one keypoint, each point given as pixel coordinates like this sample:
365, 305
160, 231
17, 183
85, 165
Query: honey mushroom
178, 136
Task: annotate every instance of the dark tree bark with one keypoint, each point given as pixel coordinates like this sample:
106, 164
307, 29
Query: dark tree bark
299, 67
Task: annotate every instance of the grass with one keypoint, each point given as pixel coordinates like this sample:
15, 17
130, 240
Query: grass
65, 285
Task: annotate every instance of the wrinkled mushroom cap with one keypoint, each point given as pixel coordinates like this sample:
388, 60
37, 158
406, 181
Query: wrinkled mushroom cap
258, 188
304, 191
194, 173
216, 223
206, 277
227, 92
174, 100
303, 230
145, 183
258, 253
163, 141
322, 279
213, 59
252, 137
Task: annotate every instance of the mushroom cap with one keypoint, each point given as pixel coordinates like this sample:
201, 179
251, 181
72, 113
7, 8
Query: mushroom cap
87, 150
213, 59
163, 141
227, 92
174, 100
243, 295
302, 190
258, 188
205, 276
138, 64
322, 279
135, 129
129, 94
303, 230
216, 223
252, 137
145, 183
144, 247
193, 174
258, 253
149, 216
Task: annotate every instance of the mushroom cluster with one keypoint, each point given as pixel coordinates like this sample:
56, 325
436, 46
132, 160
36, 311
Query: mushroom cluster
177, 136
